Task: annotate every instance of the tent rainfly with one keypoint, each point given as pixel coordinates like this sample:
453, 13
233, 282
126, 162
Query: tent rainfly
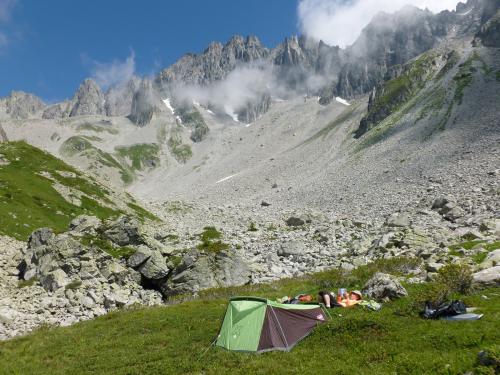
258, 325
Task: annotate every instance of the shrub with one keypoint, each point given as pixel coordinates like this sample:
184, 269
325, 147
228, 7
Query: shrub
456, 278
252, 227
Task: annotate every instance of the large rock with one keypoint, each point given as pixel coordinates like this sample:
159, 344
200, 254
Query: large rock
54, 280
292, 248
492, 259
488, 276
40, 237
124, 231
383, 286
145, 103
399, 220
155, 268
294, 222
85, 224
21, 105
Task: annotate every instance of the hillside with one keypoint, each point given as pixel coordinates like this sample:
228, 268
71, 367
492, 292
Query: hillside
176, 339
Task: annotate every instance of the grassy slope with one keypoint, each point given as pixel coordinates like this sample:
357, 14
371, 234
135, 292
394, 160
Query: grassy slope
171, 340
28, 200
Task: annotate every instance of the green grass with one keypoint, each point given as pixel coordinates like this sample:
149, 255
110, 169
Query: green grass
142, 213
80, 145
467, 245
106, 245
172, 340
28, 201
140, 155
210, 241
181, 152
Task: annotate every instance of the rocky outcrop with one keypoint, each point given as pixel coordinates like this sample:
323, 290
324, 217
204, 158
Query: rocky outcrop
119, 98
215, 63
145, 104
489, 35
199, 271
254, 109
58, 110
89, 100
20, 105
398, 89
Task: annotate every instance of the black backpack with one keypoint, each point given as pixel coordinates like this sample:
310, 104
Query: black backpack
452, 308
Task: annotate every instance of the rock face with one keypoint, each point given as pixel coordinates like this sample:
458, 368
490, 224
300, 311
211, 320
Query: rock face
21, 105
215, 63
119, 99
145, 104
89, 100
124, 231
59, 110
202, 271
383, 286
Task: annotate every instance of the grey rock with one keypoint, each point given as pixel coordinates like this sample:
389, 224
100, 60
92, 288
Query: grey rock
21, 105
124, 231
89, 100
398, 220
40, 237
294, 222
145, 103
139, 257
292, 248
488, 276
85, 224
54, 280
384, 286
155, 268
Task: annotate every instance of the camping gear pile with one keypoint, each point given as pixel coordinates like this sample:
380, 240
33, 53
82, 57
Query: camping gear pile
454, 310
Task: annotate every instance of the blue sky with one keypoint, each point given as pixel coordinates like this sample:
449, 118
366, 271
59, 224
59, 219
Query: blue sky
47, 47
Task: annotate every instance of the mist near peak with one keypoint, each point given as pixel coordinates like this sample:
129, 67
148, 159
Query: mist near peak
340, 22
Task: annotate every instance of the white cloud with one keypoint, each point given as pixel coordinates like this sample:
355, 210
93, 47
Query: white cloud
339, 22
112, 73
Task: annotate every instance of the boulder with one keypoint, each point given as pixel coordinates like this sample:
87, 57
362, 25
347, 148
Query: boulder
292, 248
398, 220
384, 286
85, 224
124, 231
139, 257
40, 237
294, 222
488, 276
492, 260
155, 268
439, 203
54, 280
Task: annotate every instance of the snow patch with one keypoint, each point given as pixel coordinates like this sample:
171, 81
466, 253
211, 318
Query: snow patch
178, 118
341, 101
466, 13
196, 103
169, 105
209, 111
230, 112
225, 178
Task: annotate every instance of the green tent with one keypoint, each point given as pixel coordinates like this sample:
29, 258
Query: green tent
257, 325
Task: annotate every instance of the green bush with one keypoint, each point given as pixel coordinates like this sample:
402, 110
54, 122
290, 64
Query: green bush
456, 278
